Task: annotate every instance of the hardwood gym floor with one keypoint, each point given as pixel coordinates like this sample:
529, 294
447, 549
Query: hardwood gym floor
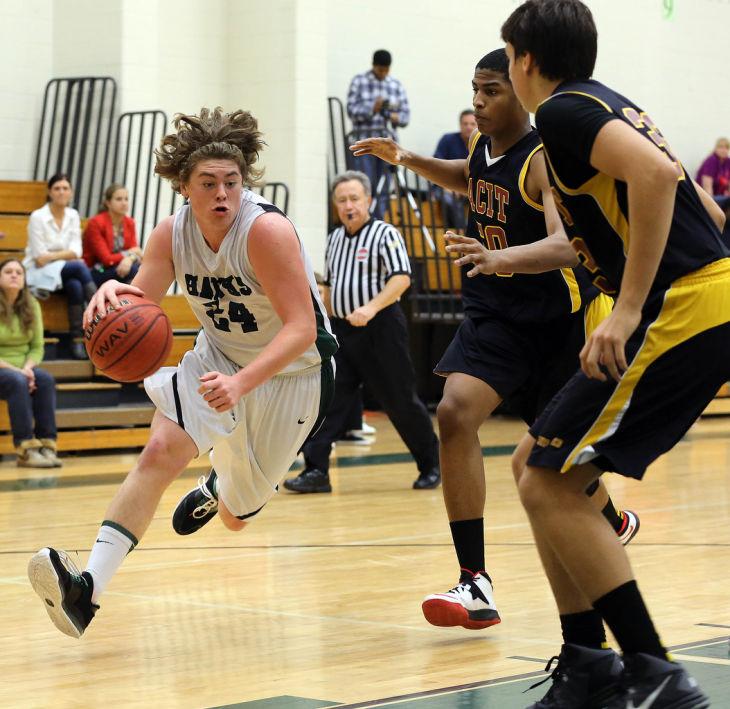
317, 602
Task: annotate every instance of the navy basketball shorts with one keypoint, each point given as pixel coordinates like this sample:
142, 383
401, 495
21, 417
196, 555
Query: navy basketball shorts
678, 358
525, 363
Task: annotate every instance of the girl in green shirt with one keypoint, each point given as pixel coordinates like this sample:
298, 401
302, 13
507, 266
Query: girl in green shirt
29, 390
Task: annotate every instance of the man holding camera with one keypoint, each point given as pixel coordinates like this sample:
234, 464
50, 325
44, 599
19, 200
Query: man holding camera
377, 104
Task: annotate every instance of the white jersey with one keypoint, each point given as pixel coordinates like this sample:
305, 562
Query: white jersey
227, 298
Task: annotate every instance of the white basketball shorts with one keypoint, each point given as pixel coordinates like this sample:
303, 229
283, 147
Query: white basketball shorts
254, 444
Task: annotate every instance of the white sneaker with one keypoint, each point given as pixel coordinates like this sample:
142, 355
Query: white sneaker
367, 429
630, 527
469, 604
355, 438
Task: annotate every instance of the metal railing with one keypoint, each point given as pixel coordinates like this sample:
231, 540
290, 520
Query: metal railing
138, 133
75, 134
276, 192
415, 208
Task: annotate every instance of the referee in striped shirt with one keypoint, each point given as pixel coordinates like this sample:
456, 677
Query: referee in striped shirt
366, 272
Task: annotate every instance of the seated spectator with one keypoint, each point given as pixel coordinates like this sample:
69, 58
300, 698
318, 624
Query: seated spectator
53, 256
714, 174
455, 146
29, 390
110, 239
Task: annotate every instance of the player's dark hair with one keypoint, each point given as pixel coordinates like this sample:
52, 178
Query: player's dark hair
213, 135
23, 305
559, 34
496, 61
466, 112
53, 179
382, 58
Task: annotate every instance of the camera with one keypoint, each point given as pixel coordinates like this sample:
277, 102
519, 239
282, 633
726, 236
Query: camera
385, 108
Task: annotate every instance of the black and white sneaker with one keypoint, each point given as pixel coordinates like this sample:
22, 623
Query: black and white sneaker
66, 593
309, 480
198, 507
660, 684
584, 678
469, 604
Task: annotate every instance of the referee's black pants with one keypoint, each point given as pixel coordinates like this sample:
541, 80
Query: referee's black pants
376, 355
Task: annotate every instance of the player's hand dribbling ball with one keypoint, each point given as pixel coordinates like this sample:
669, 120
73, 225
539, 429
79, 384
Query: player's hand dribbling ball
131, 342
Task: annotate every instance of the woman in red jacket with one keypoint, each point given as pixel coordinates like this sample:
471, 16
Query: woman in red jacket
110, 239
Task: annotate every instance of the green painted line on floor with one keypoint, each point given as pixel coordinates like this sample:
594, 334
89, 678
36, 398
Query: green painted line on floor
719, 650
353, 461
283, 702
52, 481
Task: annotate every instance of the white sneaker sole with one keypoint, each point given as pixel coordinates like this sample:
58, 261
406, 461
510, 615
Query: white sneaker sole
632, 527
46, 583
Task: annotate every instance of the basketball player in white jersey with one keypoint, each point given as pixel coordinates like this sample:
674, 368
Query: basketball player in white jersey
257, 380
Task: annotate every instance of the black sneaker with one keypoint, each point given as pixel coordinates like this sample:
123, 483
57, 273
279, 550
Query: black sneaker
66, 593
312, 480
584, 678
428, 480
196, 508
659, 684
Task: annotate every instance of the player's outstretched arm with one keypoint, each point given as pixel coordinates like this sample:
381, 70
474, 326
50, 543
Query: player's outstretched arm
450, 174
621, 152
152, 281
273, 249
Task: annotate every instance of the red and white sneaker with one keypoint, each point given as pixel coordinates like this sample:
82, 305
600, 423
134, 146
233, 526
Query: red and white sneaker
469, 604
629, 528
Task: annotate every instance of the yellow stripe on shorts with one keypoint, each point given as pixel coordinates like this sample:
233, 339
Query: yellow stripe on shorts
694, 303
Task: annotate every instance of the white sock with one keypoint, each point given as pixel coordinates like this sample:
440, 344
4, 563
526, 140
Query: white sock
113, 543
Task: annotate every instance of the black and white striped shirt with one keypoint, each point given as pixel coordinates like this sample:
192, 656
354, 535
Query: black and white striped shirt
358, 266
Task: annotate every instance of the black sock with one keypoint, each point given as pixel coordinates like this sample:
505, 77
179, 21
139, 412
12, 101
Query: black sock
468, 536
584, 628
614, 517
626, 615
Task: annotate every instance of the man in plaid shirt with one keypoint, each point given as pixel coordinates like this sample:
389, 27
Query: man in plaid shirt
377, 104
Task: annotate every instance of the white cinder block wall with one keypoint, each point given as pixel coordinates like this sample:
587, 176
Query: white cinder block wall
26, 64
674, 68
282, 58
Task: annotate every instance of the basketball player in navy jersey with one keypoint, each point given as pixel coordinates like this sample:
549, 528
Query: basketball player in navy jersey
240, 265
652, 237
517, 308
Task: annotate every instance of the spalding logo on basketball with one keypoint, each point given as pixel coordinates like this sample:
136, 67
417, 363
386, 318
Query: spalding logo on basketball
131, 342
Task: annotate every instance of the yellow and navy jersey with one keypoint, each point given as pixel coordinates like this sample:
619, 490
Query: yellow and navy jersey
594, 206
502, 214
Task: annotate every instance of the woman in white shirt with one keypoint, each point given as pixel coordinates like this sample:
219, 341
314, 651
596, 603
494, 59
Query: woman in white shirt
53, 256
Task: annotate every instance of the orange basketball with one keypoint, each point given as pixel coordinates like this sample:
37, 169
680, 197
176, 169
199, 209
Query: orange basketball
130, 342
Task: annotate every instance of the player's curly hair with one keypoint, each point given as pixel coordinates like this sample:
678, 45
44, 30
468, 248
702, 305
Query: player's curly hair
213, 135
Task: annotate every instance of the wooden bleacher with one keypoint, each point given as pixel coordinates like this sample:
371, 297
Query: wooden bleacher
123, 416
118, 424
440, 270
21, 197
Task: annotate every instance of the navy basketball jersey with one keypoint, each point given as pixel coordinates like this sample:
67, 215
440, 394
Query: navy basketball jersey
502, 214
594, 206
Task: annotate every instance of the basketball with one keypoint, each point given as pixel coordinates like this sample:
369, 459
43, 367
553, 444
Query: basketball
132, 341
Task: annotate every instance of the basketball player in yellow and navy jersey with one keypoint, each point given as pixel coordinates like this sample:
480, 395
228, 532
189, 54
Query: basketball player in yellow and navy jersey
651, 236
520, 296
